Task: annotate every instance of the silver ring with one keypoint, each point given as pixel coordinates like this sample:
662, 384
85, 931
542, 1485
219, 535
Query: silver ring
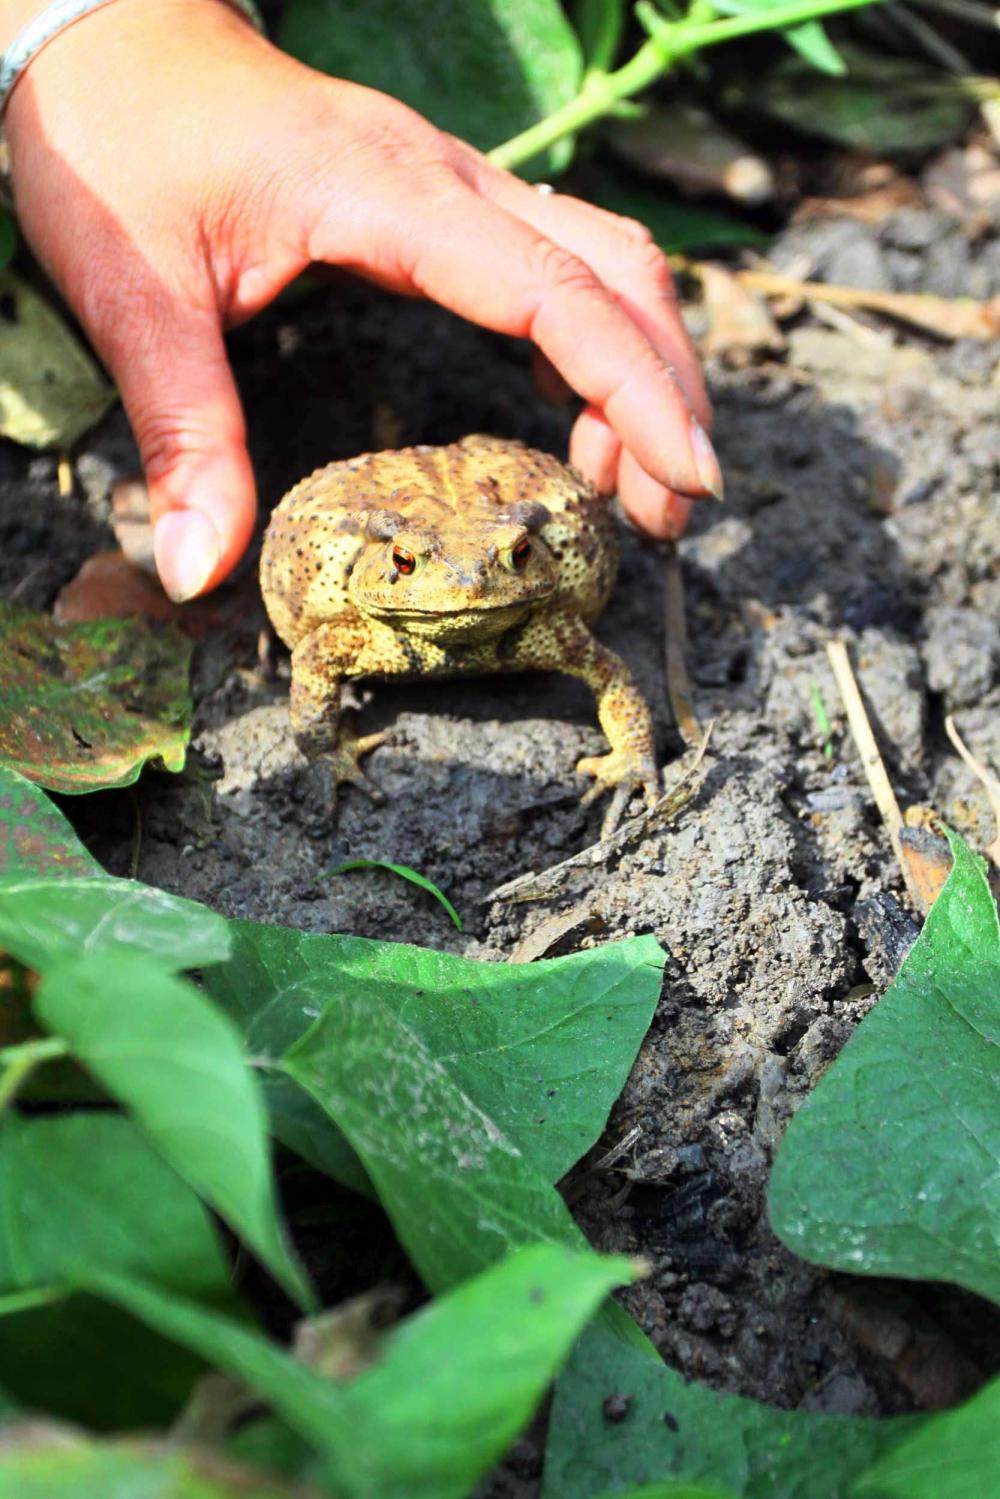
545, 188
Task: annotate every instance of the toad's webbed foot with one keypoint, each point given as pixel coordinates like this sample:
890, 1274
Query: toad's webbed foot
343, 762
622, 772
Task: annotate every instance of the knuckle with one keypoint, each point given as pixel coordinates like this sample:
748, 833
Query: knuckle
637, 233
560, 271
652, 265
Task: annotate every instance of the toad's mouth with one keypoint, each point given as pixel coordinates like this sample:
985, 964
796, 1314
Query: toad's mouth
477, 621
467, 609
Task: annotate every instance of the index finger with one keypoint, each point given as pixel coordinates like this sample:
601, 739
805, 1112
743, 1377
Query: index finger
488, 265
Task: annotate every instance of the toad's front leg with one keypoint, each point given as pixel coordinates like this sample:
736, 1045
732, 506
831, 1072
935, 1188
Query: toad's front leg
561, 642
320, 663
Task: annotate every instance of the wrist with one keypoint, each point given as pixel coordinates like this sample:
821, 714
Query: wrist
30, 27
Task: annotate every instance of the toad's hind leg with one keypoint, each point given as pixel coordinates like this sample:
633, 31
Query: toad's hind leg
320, 662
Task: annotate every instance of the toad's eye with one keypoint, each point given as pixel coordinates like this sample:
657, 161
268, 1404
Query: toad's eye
404, 562
520, 554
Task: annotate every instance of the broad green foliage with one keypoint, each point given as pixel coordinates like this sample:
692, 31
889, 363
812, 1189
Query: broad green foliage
481, 69
85, 1189
51, 391
953, 1455
83, 707
545, 1048
892, 1166
46, 921
422, 1140
457, 1092
673, 1488
453, 1384
35, 838
66, 1468
676, 1428
405, 873
928, 108
177, 1064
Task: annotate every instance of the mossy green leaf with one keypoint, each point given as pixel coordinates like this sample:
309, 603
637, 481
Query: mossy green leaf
51, 391
85, 706
35, 837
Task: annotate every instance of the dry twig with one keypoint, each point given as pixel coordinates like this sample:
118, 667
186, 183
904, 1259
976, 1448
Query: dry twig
945, 317
989, 781
922, 883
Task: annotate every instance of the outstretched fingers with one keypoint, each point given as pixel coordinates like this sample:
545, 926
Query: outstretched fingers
487, 264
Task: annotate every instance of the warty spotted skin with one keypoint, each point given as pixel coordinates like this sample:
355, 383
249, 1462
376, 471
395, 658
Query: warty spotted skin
483, 556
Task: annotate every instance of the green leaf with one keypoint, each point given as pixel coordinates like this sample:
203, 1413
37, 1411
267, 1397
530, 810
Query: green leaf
43, 922
892, 1165
405, 873
809, 39
811, 42
85, 1361
85, 1189
929, 109
459, 1192
68, 1468
453, 1384
51, 391
83, 707
478, 1360
674, 225
676, 1428
177, 1063
481, 69
600, 25
35, 837
544, 1048
8, 242
954, 1455
673, 1488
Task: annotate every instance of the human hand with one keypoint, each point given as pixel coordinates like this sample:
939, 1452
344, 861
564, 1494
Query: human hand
174, 171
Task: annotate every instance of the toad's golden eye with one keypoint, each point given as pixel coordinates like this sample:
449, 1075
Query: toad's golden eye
403, 562
520, 554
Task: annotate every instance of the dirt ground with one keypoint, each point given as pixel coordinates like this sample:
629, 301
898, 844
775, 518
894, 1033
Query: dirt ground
862, 499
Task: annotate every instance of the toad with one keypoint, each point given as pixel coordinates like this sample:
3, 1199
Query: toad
484, 556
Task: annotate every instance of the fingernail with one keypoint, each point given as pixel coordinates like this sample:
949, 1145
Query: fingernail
186, 548
706, 462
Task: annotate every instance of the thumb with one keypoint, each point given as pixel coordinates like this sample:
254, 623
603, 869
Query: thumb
184, 408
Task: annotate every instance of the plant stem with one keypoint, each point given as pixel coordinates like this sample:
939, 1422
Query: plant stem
602, 91
20, 1061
